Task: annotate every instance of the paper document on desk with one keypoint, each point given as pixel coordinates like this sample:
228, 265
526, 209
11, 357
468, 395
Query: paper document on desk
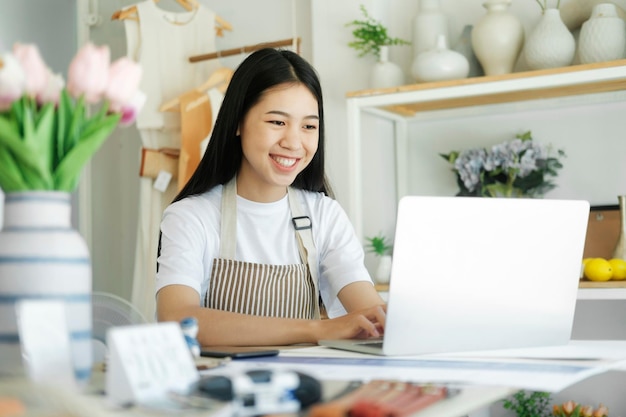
534, 373
576, 350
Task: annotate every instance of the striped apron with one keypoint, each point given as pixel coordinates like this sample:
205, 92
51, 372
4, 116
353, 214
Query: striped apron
289, 291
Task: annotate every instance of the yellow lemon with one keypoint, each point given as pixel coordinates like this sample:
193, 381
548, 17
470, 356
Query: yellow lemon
598, 269
582, 266
619, 268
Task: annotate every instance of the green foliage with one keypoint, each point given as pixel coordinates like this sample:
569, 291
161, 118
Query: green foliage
529, 404
378, 245
45, 148
370, 35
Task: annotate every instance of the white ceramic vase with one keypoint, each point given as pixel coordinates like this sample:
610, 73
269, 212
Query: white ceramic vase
576, 12
603, 36
464, 47
383, 269
550, 44
43, 258
428, 24
497, 38
439, 64
384, 73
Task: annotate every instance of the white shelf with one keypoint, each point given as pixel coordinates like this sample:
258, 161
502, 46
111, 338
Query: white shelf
588, 294
602, 294
410, 101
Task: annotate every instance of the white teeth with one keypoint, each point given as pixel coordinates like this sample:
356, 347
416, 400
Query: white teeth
286, 162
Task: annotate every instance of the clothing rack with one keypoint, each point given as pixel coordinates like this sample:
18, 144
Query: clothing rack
130, 13
246, 49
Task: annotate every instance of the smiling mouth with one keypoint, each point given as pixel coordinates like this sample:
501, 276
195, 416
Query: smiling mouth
284, 162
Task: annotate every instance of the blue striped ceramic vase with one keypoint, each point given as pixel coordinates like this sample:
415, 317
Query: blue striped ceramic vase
43, 258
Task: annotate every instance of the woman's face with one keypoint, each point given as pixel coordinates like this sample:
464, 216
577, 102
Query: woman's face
279, 137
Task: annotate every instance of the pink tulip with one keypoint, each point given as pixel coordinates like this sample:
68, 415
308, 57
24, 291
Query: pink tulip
124, 78
88, 73
131, 110
12, 81
602, 411
36, 70
569, 407
52, 92
586, 411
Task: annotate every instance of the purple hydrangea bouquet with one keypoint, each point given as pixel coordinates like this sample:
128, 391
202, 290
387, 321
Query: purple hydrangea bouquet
517, 168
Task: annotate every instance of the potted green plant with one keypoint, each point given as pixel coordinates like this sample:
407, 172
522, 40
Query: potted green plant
529, 404
381, 247
371, 38
370, 35
378, 244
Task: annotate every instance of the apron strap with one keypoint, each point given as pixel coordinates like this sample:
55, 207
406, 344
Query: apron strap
228, 229
306, 246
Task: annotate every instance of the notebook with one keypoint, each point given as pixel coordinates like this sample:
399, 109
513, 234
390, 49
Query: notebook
480, 274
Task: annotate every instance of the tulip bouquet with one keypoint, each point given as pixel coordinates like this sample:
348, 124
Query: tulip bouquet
573, 409
49, 130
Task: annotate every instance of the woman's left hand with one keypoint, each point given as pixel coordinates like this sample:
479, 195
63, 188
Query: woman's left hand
361, 324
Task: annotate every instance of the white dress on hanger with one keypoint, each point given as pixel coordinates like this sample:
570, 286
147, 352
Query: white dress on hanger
215, 98
162, 42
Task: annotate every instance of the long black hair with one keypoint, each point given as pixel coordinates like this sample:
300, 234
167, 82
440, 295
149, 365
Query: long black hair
260, 71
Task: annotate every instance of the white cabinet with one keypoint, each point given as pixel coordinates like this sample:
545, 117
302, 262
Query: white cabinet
568, 86
609, 291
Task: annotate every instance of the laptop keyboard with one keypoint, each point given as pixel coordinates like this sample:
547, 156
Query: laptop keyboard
372, 344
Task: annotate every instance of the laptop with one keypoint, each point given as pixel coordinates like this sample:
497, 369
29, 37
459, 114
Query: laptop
474, 273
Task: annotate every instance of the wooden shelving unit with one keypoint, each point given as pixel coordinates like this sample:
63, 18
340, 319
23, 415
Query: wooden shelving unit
606, 284
559, 87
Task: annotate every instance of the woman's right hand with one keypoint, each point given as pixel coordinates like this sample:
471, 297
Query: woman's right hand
361, 324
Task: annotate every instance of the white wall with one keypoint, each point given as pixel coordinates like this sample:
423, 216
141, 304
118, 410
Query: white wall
257, 22
20, 23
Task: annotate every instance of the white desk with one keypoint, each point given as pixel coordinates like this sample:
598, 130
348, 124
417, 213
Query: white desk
52, 401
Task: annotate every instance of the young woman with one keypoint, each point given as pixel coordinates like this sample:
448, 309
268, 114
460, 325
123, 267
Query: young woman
253, 241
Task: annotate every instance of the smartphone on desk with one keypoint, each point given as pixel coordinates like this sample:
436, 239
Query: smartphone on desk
237, 352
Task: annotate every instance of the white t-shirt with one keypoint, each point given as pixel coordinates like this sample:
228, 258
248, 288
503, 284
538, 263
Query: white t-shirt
191, 240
